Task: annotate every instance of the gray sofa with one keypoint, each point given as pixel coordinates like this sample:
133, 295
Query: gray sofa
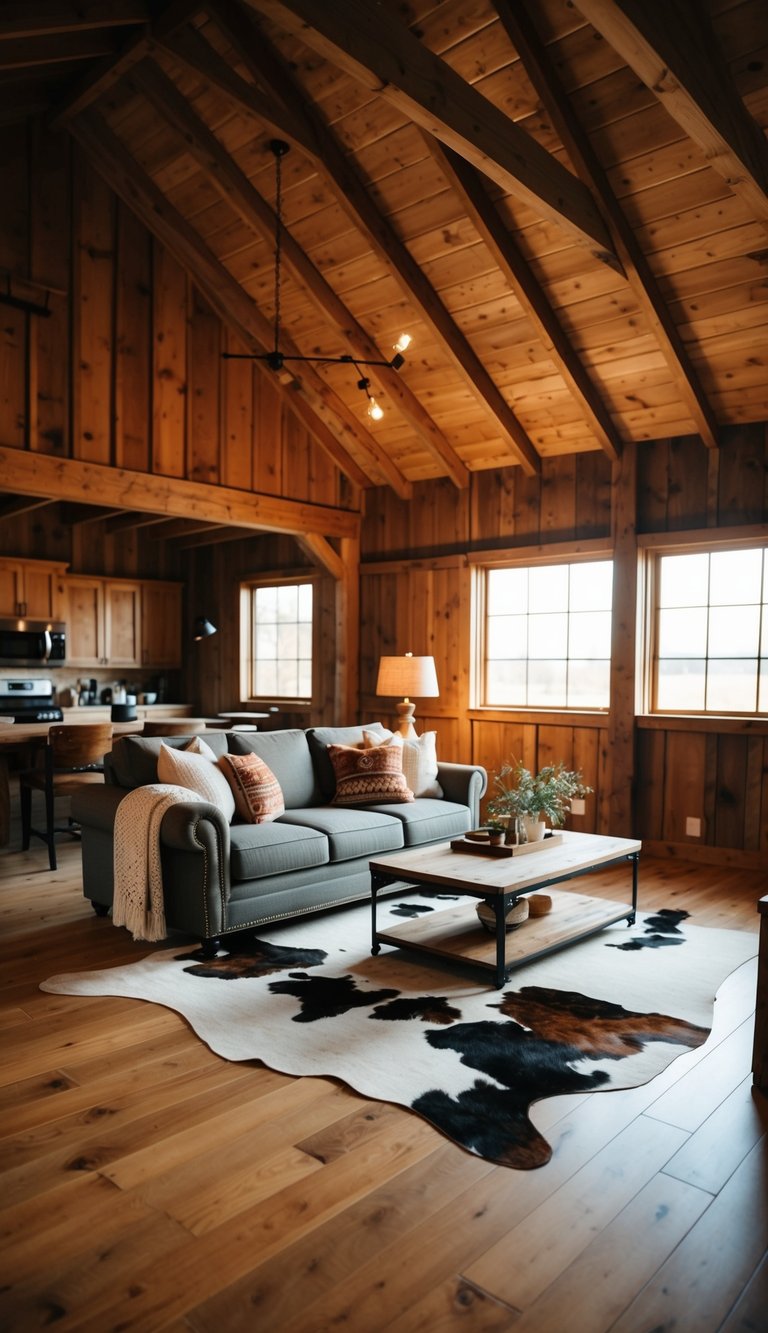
220, 877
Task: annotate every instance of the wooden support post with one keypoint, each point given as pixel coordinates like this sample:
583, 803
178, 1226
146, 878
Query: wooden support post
760, 1049
619, 804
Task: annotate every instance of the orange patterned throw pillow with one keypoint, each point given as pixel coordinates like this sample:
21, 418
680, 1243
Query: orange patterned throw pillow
258, 794
367, 776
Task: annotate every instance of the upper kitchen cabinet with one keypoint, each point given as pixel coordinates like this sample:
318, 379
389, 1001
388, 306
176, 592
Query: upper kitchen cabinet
123, 623
32, 589
103, 622
161, 624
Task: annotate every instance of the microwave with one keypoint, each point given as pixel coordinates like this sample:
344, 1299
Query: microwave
33, 643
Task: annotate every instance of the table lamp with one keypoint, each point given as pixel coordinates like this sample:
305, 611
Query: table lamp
406, 676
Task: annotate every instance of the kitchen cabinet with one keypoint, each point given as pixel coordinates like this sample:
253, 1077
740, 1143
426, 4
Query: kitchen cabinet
85, 622
122, 623
32, 588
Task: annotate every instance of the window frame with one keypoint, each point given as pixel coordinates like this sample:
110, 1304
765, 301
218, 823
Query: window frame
651, 547
481, 563
247, 589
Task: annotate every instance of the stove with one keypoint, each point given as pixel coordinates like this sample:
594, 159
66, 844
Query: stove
29, 701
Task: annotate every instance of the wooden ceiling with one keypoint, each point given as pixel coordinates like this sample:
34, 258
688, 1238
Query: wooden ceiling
564, 204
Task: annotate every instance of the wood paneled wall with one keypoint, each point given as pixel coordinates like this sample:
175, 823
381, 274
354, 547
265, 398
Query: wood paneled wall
416, 595
127, 371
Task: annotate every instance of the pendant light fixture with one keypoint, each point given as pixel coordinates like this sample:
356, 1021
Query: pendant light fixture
276, 359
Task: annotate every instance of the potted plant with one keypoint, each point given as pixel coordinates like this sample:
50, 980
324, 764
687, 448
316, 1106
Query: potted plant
519, 795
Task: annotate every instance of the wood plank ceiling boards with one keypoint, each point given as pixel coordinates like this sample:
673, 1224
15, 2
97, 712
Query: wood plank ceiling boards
565, 205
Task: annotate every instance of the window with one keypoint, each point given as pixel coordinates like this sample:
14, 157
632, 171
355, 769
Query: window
280, 624
710, 631
548, 635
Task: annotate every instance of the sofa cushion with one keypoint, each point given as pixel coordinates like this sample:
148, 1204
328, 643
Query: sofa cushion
419, 760
427, 820
199, 772
257, 792
132, 761
368, 775
259, 850
288, 756
319, 738
350, 833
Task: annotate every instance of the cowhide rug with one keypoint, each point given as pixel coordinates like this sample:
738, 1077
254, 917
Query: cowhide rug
308, 998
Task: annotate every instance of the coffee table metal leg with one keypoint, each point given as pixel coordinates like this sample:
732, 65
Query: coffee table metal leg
500, 908
377, 881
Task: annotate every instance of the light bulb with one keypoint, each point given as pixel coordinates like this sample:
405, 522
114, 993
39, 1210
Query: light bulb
374, 411
403, 342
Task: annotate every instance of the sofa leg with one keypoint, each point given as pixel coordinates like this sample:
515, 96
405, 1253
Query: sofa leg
100, 909
210, 948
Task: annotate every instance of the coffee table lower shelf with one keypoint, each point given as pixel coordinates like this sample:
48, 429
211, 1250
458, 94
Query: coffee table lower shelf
455, 933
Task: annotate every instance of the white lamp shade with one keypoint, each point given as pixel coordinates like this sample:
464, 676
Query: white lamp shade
407, 677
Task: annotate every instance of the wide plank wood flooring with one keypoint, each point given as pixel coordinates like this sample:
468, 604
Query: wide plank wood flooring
148, 1184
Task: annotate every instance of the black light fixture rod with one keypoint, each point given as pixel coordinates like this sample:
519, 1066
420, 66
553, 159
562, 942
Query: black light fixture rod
394, 364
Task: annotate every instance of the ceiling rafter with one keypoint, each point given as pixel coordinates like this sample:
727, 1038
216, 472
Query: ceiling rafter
290, 116
109, 71
237, 190
544, 78
227, 297
378, 50
35, 18
127, 522
672, 49
468, 184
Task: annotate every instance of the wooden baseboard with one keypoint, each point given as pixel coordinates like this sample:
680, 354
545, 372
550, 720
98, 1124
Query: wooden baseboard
705, 855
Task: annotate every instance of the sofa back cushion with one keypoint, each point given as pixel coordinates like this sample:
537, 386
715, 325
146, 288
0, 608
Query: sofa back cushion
319, 738
286, 753
132, 761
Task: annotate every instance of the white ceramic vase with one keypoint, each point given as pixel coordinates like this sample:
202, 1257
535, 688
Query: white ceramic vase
535, 828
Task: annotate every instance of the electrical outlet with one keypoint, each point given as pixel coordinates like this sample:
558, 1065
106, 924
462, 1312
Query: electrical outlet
692, 828
578, 806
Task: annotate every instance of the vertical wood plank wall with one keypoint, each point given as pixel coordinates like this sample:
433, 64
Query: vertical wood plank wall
127, 371
415, 596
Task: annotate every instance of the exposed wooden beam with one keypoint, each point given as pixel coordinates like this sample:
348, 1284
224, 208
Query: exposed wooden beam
286, 110
347, 639
188, 46
35, 18
545, 80
13, 505
109, 71
224, 294
70, 479
22, 53
468, 184
214, 537
321, 553
126, 522
672, 48
179, 527
75, 515
369, 42
235, 187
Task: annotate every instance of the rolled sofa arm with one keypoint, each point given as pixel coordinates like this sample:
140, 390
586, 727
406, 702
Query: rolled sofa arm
465, 784
194, 847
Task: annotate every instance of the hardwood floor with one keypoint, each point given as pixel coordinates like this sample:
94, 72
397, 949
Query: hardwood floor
148, 1184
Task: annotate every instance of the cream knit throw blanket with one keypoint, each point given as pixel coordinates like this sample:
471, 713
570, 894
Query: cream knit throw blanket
138, 897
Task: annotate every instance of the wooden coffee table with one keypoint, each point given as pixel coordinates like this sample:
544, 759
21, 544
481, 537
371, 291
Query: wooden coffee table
456, 932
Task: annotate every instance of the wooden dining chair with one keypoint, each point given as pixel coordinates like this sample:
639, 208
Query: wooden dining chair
72, 758
176, 727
